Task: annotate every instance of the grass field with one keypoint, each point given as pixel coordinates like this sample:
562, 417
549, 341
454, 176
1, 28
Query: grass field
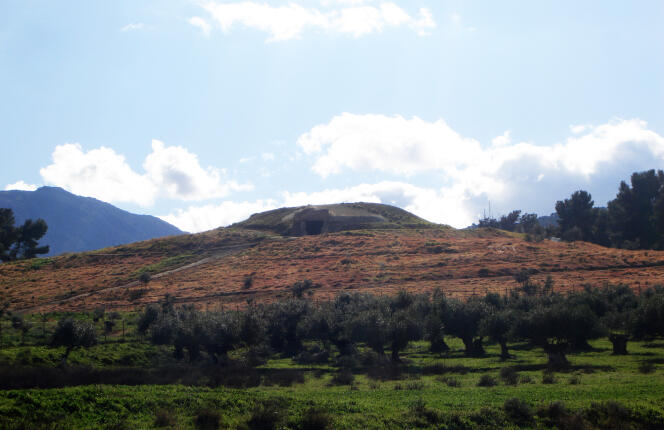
427, 391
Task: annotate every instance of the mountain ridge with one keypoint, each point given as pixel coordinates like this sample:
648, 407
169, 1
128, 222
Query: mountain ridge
77, 223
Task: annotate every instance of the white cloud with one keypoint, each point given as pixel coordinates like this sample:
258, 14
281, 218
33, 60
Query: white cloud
133, 26
291, 20
99, 173
502, 140
579, 128
390, 144
201, 218
202, 24
21, 186
170, 171
510, 174
179, 175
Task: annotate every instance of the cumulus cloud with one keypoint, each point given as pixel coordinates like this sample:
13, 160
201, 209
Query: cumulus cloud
201, 218
21, 186
179, 175
202, 24
170, 171
386, 143
502, 140
291, 20
99, 173
509, 174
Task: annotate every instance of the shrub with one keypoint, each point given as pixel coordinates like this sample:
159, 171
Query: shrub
343, 377
267, 415
609, 415
486, 381
257, 355
108, 326
315, 418
646, 367
164, 418
574, 380
137, 293
525, 379
548, 378
553, 414
450, 381
207, 419
415, 386
518, 411
509, 375
144, 278
98, 313
488, 418
347, 361
421, 411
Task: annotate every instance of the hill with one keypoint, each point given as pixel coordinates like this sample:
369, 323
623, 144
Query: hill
229, 266
308, 220
78, 223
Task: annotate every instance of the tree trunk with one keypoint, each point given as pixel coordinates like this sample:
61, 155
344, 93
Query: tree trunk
478, 349
619, 342
395, 355
438, 346
474, 348
504, 352
468, 344
556, 353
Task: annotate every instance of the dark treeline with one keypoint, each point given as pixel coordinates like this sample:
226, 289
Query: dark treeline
17, 242
319, 331
633, 220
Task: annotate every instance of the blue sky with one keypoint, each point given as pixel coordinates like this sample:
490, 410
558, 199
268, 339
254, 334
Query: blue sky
204, 112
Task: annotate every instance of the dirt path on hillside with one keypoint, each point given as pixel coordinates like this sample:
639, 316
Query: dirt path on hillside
225, 252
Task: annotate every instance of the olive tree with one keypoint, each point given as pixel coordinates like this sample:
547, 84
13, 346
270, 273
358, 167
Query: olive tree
73, 334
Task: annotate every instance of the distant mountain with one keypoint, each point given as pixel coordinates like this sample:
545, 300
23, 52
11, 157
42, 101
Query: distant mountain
548, 220
78, 223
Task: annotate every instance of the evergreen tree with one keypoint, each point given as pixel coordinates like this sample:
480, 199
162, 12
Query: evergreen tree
636, 215
20, 242
576, 216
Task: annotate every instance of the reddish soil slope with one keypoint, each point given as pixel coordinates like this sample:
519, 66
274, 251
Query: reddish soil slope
461, 263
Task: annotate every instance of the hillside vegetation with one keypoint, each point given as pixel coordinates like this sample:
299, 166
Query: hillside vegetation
232, 265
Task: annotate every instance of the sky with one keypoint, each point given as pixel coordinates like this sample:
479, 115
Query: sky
204, 112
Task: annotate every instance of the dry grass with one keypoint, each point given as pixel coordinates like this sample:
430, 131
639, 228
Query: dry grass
462, 263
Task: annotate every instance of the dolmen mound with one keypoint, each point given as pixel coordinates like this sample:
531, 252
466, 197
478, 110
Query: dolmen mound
319, 219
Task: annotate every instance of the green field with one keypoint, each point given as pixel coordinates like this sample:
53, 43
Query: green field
425, 391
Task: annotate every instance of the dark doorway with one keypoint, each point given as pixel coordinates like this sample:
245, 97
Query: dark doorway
313, 227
